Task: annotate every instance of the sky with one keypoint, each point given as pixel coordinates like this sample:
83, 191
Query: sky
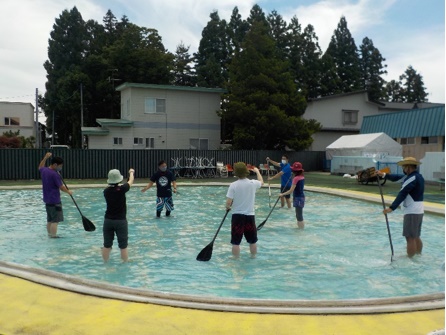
406, 32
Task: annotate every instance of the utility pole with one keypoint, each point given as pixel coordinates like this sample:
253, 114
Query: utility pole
37, 120
82, 116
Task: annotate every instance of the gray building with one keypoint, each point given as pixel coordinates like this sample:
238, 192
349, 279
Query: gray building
161, 117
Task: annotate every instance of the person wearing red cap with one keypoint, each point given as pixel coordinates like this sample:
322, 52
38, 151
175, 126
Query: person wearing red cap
297, 189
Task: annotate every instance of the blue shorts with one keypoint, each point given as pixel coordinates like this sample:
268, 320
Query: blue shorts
243, 225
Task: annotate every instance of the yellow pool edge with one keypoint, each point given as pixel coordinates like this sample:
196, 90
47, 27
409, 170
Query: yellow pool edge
31, 308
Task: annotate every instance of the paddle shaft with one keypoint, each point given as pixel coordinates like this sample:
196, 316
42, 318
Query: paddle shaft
387, 220
74, 201
221, 224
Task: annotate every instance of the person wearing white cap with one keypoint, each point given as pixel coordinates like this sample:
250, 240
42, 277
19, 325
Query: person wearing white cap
411, 197
115, 220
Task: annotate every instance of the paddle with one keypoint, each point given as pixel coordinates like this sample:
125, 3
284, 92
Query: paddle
387, 220
269, 189
206, 253
263, 223
88, 225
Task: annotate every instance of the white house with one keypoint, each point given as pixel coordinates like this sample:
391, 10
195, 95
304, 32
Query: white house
17, 116
161, 117
343, 114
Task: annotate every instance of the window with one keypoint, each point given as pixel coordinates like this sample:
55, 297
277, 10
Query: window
199, 143
117, 140
137, 141
12, 121
429, 140
150, 142
407, 140
153, 105
349, 116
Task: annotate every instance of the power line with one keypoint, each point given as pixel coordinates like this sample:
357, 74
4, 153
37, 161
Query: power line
18, 96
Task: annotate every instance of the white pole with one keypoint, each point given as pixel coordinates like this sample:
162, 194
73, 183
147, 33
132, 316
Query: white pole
37, 120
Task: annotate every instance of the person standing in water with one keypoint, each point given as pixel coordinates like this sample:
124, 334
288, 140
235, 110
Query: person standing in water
115, 220
285, 176
411, 196
51, 186
164, 180
241, 198
297, 189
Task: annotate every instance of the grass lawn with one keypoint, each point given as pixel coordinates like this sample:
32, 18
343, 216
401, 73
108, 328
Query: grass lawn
432, 192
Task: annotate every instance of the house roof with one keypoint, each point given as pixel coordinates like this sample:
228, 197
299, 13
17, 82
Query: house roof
94, 131
115, 122
411, 123
170, 87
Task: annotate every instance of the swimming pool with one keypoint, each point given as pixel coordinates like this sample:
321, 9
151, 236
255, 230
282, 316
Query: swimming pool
343, 253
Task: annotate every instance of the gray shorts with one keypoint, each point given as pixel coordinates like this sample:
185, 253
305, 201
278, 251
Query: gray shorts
54, 213
412, 225
120, 227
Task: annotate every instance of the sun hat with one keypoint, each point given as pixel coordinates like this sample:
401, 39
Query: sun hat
408, 161
297, 166
114, 177
240, 170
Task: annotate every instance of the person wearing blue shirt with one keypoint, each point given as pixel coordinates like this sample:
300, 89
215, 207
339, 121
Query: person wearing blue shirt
411, 198
285, 178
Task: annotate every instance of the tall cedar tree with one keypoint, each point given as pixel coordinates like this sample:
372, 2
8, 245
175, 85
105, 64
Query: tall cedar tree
394, 91
263, 109
372, 68
183, 74
66, 53
236, 31
213, 51
344, 54
413, 86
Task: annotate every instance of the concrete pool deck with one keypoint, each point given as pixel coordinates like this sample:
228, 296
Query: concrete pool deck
30, 307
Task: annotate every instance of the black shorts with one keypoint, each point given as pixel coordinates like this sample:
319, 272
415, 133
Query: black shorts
54, 213
412, 225
243, 225
120, 227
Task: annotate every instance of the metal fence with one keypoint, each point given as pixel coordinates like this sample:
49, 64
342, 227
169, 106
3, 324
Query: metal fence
19, 164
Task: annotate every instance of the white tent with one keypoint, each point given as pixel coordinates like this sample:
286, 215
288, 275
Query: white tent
364, 145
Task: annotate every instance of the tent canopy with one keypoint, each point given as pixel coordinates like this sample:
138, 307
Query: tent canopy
364, 145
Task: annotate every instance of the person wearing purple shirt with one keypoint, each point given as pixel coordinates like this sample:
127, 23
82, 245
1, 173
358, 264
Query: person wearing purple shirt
51, 186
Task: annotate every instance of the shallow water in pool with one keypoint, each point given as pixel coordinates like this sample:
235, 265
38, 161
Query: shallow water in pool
343, 252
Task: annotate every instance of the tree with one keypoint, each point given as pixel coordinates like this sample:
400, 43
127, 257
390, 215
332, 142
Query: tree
183, 74
263, 108
344, 54
213, 54
12, 139
279, 32
413, 86
394, 91
66, 52
236, 32
372, 69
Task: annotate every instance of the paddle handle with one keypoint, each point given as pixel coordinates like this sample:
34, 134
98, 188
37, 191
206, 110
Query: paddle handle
221, 224
385, 214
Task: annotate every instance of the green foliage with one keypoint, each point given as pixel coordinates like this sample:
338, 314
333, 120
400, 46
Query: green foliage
413, 86
263, 108
12, 139
183, 73
344, 53
372, 69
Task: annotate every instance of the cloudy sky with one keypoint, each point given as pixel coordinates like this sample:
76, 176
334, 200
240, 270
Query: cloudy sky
407, 32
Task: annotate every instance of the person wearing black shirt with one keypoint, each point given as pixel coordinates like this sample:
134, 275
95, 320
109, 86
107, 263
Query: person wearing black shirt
115, 220
164, 180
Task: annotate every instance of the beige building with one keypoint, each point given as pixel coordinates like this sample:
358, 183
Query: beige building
161, 117
17, 116
343, 114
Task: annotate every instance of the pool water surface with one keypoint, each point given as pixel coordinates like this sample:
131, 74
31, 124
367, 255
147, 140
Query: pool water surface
343, 252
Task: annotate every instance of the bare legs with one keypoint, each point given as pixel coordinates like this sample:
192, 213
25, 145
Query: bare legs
51, 228
288, 202
414, 246
236, 250
106, 254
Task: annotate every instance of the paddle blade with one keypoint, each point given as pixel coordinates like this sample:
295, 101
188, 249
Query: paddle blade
206, 254
88, 225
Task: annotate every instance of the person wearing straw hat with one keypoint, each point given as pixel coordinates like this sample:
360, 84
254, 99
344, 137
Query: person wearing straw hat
115, 220
240, 198
297, 189
411, 197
